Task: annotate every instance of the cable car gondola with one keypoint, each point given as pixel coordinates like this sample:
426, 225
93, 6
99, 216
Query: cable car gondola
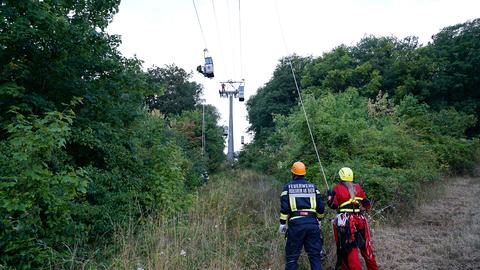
207, 69
241, 91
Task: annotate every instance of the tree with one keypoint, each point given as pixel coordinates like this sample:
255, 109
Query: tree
189, 123
37, 190
456, 54
278, 96
63, 39
71, 174
178, 93
330, 70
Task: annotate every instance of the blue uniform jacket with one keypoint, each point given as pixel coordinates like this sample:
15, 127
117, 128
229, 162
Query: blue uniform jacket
300, 202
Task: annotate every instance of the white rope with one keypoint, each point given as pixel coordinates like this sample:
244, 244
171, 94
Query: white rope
201, 29
300, 98
203, 130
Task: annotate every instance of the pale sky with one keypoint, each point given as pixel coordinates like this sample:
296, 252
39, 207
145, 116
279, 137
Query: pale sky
161, 32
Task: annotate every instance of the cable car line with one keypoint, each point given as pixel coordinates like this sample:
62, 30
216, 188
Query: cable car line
206, 70
240, 38
300, 98
201, 29
220, 45
230, 31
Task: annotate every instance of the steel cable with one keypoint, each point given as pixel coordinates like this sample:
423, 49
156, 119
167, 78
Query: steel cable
198, 19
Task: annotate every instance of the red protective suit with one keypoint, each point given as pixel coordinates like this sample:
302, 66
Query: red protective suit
350, 228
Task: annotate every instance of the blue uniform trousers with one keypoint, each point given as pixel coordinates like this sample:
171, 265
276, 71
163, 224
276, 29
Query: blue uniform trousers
308, 236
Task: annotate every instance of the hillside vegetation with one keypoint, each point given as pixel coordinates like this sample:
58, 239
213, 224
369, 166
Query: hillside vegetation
232, 225
399, 113
101, 161
88, 142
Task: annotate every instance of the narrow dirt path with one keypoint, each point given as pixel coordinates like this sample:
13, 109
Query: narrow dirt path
442, 233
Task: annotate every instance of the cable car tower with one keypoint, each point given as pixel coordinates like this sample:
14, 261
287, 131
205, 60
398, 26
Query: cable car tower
231, 89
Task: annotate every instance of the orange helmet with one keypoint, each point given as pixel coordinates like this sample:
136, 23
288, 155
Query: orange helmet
298, 168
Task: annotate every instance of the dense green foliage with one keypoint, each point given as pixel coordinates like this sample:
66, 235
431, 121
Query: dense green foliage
178, 95
391, 151
36, 190
89, 141
443, 74
278, 96
83, 150
398, 113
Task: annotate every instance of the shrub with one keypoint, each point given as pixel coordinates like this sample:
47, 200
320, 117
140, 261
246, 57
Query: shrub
391, 151
37, 190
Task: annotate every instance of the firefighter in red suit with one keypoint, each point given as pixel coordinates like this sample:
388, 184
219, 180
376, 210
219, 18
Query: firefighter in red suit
350, 226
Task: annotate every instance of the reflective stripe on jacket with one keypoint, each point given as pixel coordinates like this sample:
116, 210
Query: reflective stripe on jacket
300, 199
342, 201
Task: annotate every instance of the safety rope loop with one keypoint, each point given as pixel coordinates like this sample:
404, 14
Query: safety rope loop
301, 100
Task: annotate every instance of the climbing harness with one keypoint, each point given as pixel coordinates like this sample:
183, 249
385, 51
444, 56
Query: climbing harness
351, 206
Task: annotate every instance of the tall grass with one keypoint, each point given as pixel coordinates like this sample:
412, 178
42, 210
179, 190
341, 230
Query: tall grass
443, 232
232, 225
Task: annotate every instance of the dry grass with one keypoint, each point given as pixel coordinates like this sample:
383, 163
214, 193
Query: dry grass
232, 226
443, 233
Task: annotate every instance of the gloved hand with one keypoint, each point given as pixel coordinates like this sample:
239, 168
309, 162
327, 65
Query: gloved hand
282, 228
330, 194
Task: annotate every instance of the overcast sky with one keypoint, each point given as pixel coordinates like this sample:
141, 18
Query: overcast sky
163, 32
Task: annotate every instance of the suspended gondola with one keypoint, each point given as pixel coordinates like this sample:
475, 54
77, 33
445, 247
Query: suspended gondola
207, 68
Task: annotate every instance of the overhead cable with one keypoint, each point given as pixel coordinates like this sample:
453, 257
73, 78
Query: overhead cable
198, 19
240, 38
230, 20
222, 58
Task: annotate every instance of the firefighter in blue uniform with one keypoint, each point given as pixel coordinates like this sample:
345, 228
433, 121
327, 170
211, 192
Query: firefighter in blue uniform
302, 207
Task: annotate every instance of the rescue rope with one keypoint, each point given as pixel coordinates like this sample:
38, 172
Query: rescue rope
300, 97
203, 130
201, 29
